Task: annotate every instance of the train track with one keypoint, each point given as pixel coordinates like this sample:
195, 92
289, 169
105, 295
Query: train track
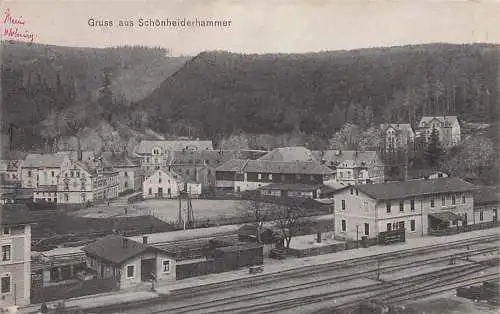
323, 269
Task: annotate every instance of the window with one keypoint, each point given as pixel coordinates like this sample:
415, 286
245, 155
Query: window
389, 226
352, 191
453, 200
412, 225
187, 171
344, 225
259, 176
481, 217
150, 191
130, 271
6, 231
343, 204
311, 178
367, 229
443, 200
159, 180
72, 174
401, 225
78, 174
53, 174
166, 266
270, 176
357, 192
66, 186
66, 197
388, 206
5, 283
125, 174
297, 176
463, 199
29, 173
6, 253
401, 206
65, 174
412, 205
432, 202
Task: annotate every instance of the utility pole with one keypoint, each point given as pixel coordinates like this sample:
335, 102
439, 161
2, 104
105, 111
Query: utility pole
357, 236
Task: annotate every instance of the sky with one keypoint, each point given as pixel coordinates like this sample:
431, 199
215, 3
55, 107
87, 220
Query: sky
256, 26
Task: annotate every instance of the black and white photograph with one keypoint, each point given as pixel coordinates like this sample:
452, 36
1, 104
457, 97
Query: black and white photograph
249, 157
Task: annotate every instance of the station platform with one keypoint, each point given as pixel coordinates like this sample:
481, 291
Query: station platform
270, 266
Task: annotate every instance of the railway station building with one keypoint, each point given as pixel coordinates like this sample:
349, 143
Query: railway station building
418, 206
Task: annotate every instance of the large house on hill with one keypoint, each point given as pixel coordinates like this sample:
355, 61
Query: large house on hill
44, 169
416, 206
447, 126
353, 167
156, 154
397, 136
240, 174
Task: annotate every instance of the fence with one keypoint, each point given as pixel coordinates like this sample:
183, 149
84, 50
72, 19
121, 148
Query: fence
200, 268
72, 290
467, 228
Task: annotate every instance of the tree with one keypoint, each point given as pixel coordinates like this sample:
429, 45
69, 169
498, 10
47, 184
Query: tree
434, 152
288, 217
258, 210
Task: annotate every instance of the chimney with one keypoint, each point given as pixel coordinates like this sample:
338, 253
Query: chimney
144, 239
125, 242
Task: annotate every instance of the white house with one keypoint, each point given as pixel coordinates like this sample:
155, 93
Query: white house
447, 126
44, 169
397, 136
162, 183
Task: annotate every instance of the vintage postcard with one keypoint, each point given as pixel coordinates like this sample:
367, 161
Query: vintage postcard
267, 156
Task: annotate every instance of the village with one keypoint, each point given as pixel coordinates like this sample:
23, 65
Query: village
135, 226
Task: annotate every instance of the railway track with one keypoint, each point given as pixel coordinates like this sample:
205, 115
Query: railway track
326, 270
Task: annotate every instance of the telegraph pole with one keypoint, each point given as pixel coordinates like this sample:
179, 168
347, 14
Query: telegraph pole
357, 236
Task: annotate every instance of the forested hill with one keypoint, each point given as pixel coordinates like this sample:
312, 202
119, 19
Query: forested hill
220, 93
53, 92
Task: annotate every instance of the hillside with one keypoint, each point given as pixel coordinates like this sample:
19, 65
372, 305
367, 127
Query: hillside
45, 89
219, 93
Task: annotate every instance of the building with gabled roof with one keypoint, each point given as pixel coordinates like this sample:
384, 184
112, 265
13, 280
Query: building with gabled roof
128, 262
43, 169
353, 167
416, 206
398, 136
288, 154
486, 204
162, 183
447, 126
240, 175
15, 258
130, 174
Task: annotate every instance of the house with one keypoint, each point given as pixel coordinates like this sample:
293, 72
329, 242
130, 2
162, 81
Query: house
397, 136
130, 174
87, 182
162, 183
486, 204
128, 262
155, 154
199, 166
15, 263
416, 206
38, 169
10, 172
447, 126
241, 175
353, 167
288, 154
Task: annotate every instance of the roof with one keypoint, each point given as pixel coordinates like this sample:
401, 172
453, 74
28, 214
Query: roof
73, 154
265, 166
46, 160
188, 234
486, 195
119, 160
170, 173
445, 216
146, 146
242, 247
405, 189
442, 119
338, 156
399, 127
112, 249
208, 157
45, 188
14, 214
291, 186
297, 153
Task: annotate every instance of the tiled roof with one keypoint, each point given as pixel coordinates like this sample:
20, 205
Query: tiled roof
292, 187
399, 190
146, 146
13, 214
339, 156
298, 153
119, 160
442, 119
112, 249
46, 160
486, 195
264, 166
